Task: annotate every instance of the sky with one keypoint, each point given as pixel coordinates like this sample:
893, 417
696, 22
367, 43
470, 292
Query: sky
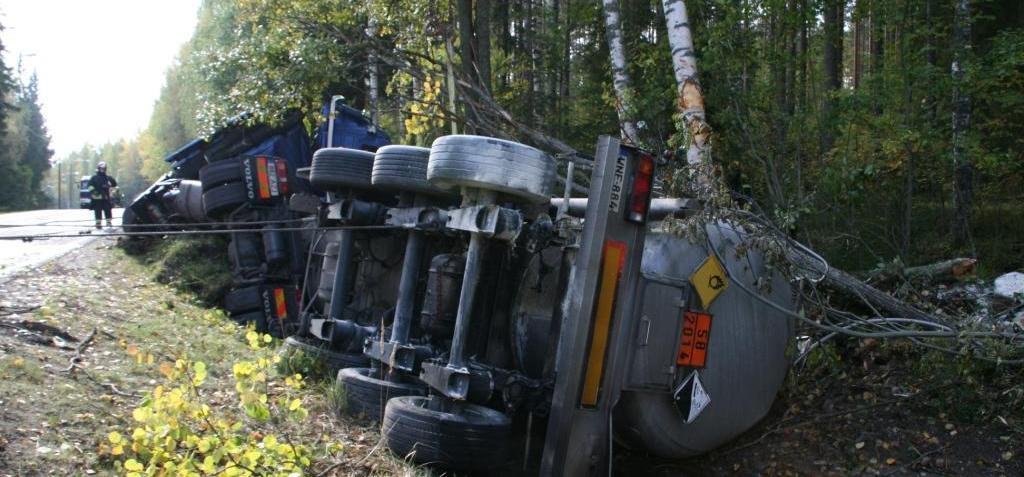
100, 63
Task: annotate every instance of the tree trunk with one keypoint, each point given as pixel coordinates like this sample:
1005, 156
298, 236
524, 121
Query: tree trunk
620, 76
963, 169
482, 30
858, 40
834, 15
467, 44
804, 44
877, 38
529, 38
501, 17
858, 289
946, 271
877, 55
563, 93
374, 83
690, 96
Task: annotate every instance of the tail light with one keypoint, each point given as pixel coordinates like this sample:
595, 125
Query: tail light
640, 197
263, 177
282, 176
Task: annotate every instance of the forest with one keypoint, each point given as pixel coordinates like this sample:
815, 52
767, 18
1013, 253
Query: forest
24, 142
876, 131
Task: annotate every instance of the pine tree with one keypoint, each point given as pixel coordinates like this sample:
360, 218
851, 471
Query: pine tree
37, 153
12, 177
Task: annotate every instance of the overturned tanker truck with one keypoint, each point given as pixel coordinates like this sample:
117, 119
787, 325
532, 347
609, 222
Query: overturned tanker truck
487, 325
491, 323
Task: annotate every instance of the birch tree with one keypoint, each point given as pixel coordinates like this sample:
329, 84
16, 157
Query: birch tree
690, 98
963, 169
620, 76
373, 79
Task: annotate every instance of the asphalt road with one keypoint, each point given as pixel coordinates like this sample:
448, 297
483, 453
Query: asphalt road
17, 255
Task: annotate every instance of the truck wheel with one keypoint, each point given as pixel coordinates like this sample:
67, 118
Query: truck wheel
403, 168
254, 318
364, 392
474, 438
334, 360
243, 299
220, 172
339, 168
222, 199
493, 164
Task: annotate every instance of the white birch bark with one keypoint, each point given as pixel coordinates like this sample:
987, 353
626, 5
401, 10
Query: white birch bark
620, 77
374, 83
691, 100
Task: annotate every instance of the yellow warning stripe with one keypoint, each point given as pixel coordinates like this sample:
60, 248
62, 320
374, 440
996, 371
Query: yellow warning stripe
611, 266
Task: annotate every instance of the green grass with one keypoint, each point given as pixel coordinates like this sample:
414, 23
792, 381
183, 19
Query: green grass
198, 265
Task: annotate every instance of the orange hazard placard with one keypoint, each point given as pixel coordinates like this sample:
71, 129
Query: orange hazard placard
693, 344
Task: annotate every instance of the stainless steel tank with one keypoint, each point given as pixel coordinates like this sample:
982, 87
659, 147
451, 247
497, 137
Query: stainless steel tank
746, 360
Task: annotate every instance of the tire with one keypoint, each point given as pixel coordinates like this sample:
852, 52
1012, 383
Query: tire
243, 300
403, 168
338, 169
474, 439
363, 392
221, 200
492, 164
255, 318
334, 360
220, 173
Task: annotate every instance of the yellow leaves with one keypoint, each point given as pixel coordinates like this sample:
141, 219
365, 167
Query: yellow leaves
141, 414
177, 433
133, 465
198, 373
209, 465
242, 369
257, 340
294, 381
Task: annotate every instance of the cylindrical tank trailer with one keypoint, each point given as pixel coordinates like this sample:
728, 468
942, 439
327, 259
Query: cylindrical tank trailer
499, 328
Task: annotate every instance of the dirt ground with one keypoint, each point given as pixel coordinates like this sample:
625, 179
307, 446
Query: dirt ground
876, 412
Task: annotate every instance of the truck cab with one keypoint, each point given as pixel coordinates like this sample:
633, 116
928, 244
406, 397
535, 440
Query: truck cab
84, 197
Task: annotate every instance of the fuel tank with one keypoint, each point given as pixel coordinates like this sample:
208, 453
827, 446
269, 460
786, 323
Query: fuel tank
745, 359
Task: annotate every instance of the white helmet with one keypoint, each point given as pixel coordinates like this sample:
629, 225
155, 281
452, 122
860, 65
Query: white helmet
101, 166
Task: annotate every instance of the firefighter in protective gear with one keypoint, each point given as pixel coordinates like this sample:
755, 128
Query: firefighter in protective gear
100, 188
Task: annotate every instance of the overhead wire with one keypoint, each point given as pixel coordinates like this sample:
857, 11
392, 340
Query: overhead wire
84, 222
162, 233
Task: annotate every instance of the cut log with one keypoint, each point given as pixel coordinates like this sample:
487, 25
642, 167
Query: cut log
856, 288
946, 271
942, 272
